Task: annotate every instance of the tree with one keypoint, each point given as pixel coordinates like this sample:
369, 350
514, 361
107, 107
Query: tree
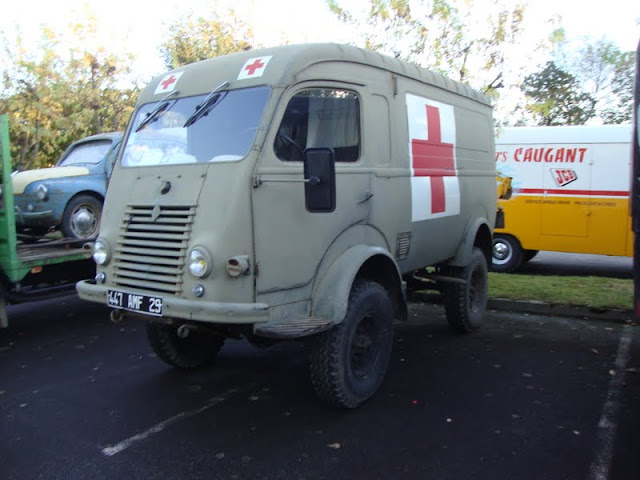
195, 38
620, 109
555, 97
463, 39
607, 74
58, 94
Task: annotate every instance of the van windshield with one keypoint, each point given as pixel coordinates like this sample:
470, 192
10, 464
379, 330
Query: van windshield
224, 133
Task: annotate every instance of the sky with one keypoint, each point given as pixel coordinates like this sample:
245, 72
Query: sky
137, 26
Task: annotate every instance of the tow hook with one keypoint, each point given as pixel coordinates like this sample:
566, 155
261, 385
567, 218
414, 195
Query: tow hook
116, 316
183, 331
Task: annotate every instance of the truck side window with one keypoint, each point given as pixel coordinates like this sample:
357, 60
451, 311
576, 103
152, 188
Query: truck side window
323, 118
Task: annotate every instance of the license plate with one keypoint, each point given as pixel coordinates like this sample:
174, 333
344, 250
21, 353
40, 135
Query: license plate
135, 302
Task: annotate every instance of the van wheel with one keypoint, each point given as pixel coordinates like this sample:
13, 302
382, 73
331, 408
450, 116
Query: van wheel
507, 254
81, 218
197, 349
465, 304
348, 362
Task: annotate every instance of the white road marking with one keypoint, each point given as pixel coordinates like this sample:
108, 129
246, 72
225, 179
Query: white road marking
124, 444
608, 424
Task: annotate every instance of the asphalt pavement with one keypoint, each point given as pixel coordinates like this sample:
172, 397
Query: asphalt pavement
525, 397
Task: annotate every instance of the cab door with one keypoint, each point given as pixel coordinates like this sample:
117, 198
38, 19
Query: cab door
291, 241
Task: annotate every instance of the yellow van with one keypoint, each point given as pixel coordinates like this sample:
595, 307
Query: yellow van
562, 189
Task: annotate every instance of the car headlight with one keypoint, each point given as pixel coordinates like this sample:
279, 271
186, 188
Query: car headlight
101, 252
199, 262
42, 191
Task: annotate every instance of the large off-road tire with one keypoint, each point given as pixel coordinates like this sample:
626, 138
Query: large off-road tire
507, 254
197, 349
81, 218
465, 304
348, 362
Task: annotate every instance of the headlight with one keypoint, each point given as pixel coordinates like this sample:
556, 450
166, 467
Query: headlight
42, 192
101, 252
199, 262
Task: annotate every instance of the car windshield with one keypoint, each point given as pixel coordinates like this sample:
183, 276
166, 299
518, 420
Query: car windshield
86, 153
223, 133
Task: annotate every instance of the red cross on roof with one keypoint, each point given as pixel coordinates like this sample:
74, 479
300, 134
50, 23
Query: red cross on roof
256, 65
167, 82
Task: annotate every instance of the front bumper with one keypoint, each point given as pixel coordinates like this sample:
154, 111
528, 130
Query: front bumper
198, 311
44, 218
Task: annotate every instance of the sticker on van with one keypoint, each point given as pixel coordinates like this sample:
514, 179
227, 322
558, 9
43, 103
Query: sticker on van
435, 190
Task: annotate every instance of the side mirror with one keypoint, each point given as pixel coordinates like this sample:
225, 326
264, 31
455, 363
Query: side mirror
320, 180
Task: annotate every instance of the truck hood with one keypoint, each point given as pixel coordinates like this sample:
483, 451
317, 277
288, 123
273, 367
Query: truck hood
22, 179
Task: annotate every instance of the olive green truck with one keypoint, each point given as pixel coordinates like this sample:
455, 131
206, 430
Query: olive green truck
294, 193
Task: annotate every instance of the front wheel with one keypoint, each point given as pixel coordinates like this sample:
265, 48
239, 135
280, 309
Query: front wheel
348, 362
507, 254
196, 349
466, 303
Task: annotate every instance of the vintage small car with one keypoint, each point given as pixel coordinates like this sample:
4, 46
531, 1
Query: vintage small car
69, 196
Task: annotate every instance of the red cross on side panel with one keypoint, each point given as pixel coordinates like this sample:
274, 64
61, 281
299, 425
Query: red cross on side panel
432, 158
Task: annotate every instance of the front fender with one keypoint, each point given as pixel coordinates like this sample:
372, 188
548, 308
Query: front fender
330, 297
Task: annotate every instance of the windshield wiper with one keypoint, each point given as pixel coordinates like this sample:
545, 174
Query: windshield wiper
205, 107
156, 112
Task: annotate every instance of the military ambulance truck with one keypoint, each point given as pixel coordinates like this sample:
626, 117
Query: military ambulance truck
292, 193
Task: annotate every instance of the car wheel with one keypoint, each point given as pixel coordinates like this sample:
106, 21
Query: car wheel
507, 254
348, 362
195, 350
81, 218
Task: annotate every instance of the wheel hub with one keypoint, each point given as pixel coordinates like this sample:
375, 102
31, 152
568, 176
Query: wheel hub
83, 222
500, 251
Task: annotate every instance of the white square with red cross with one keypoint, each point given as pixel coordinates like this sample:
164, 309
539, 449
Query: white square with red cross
168, 83
254, 67
435, 189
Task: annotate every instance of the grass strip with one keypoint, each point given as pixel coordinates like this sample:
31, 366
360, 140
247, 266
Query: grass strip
594, 292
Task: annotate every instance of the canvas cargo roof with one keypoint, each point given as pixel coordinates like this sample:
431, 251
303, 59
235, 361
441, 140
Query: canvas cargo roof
284, 65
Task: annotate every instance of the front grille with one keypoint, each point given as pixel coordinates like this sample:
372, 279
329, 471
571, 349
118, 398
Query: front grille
151, 248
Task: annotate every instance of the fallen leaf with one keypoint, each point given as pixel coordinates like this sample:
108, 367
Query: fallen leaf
633, 370
253, 398
335, 446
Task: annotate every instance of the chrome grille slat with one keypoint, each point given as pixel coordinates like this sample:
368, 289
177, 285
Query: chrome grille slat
151, 247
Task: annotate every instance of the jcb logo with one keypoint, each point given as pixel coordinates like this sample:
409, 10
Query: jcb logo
563, 176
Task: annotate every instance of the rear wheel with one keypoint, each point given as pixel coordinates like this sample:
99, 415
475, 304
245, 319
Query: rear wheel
466, 303
196, 349
507, 254
348, 362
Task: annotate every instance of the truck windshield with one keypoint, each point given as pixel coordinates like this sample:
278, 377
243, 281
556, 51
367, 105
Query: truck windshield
225, 133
